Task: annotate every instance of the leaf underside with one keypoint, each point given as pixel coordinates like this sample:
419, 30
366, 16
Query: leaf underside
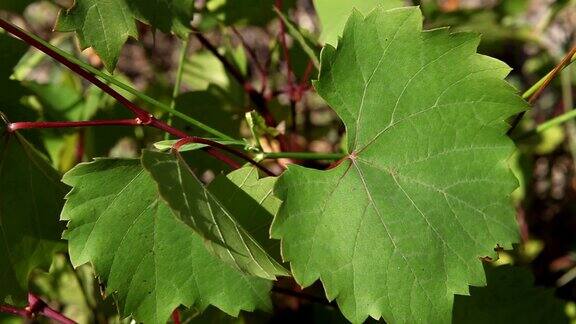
144, 254
195, 205
398, 228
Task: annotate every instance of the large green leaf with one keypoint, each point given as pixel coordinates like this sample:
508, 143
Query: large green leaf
510, 297
106, 25
206, 214
31, 197
334, 13
398, 227
153, 261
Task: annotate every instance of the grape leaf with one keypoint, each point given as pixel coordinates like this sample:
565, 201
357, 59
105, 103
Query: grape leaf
334, 13
397, 228
31, 197
199, 208
252, 201
107, 25
510, 297
153, 261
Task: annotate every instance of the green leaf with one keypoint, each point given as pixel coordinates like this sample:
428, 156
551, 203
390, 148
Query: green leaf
253, 203
31, 199
107, 25
199, 208
153, 261
168, 144
334, 13
510, 297
214, 107
398, 227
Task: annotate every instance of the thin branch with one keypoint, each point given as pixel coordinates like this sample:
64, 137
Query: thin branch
193, 139
535, 91
178, 81
257, 98
236, 74
176, 316
71, 124
36, 307
142, 117
254, 57
289, 74
110, 79
302, 155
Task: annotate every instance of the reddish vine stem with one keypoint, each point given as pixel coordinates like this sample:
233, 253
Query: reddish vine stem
71, 124
176, 316
553, 74
259, 100
193, 139
254, 57
138, 112
36, 307
289, 79
142, 117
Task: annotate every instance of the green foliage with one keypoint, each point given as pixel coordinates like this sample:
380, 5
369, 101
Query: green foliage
29, 232
388, 231
144, 254
106, 25
394, 169
510, 297
199, 208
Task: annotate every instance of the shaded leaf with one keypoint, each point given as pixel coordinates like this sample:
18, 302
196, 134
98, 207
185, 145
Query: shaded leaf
510, 297
398, 227
253, 203
16, 6
153, 261
199, 208
31, 197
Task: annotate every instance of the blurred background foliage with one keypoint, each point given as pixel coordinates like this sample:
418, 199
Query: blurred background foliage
531, 36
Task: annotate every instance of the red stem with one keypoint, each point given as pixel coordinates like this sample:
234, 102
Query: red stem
138, 112
253, 56
176, 316
142, 117
71, 124
36, 306
193, 139
286, 52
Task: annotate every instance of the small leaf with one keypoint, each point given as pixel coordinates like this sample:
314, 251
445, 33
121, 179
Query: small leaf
168, 144
107, 25
31, 197
199, 208
510, 297
399, 226
150, 259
